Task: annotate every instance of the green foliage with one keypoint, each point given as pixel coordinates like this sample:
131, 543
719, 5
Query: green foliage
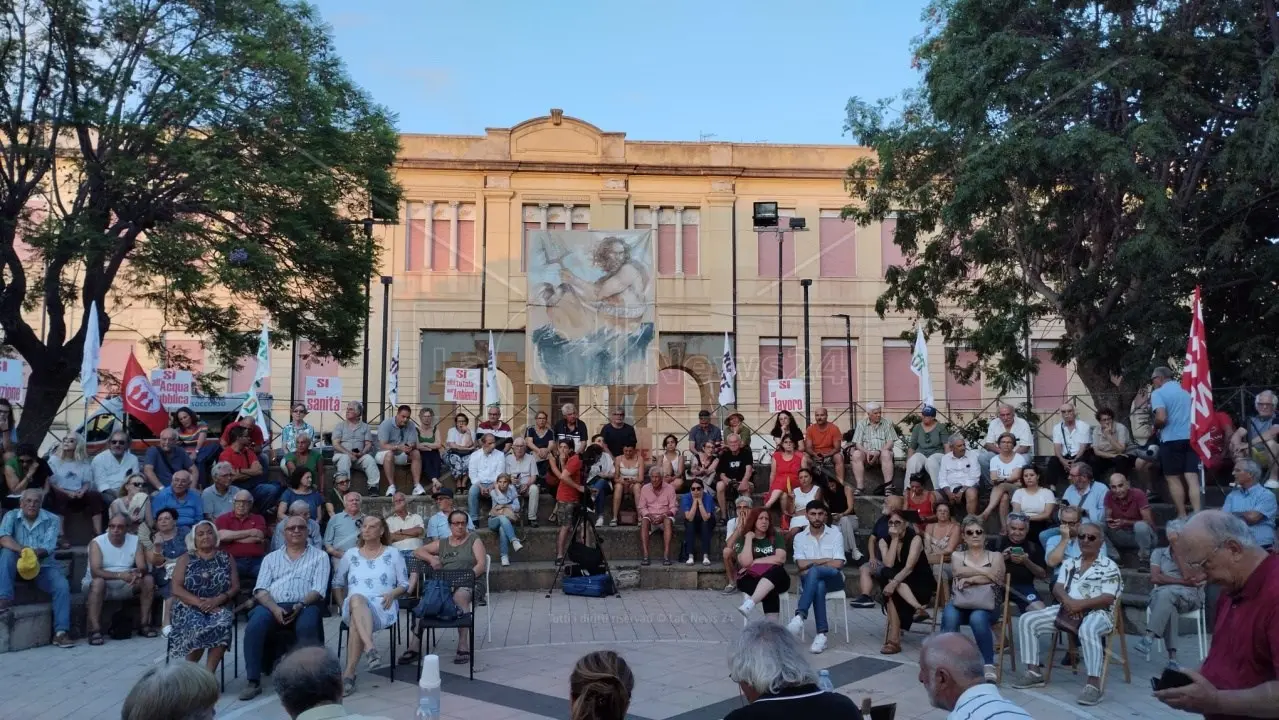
1074, 169
202, 157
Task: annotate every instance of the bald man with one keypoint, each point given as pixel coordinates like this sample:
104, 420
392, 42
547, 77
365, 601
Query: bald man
243, 534
950, 669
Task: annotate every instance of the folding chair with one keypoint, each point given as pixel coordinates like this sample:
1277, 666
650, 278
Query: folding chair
941, 596
1003, 643
1107, 643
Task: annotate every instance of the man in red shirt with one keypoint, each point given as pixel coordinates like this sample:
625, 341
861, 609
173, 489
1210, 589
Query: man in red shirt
823, 443
568, 494
243, 535
1129, 523
494, 426
257, 441
1240, 676
248, 472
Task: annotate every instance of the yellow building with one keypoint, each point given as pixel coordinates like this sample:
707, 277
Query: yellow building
457, 270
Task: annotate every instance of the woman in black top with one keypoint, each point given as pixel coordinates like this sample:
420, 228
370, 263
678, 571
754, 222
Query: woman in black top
785, 423
907, 579
540, 436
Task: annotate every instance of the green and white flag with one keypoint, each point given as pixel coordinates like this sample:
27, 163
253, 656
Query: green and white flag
251, 406
919, 366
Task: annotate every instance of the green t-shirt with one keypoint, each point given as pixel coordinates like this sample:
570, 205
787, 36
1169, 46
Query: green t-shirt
312, 463
762, 547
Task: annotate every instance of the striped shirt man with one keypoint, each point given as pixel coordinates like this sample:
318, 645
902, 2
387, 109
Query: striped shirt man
983, 701
288, 580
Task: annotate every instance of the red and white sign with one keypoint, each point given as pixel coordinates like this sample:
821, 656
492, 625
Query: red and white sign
11, 379
175, 387
462, 385
323, 394
1197, 381
786, 395
140, 398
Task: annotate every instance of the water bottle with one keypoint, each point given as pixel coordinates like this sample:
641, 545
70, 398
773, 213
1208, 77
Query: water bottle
823, 681
428, 689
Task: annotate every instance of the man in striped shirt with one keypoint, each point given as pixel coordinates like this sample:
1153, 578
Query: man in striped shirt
950, 667
289, 591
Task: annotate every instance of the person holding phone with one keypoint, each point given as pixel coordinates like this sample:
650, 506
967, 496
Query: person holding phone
1024, 559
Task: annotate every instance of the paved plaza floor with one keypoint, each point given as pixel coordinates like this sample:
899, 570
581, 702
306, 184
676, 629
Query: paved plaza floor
675, 641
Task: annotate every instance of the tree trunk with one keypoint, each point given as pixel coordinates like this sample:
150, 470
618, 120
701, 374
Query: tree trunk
1105, 392
46, 391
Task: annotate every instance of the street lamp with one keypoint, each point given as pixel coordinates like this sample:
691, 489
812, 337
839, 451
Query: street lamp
386, 316
808, 385
766, 218
367, 224
848, 356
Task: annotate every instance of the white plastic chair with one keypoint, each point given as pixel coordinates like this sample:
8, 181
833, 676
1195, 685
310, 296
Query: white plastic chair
1201, 628
839, 596
488, 600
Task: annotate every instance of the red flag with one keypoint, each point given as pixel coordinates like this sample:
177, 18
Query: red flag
1197, 381
140, 399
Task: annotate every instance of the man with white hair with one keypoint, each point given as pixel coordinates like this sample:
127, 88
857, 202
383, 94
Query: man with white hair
957, 480
353, 445
1072, 443
521, 465
1238, 678
218, 497
1005, 421
570, 429
1258, 438
950, 669
111, 468
777, 680
242, 534
873, 440
1252, 503
299, 508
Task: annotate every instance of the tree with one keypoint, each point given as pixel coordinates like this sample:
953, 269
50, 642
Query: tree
1078, 167
203, 157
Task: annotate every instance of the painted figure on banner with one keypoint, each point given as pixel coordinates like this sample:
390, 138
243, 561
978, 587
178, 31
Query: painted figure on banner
591, 308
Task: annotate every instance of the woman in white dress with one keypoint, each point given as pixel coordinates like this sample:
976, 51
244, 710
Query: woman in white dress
630, 478
802, 496
375, 577
1005, 479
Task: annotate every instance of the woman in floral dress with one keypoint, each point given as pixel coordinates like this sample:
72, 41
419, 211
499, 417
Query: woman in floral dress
204, 584
375, 577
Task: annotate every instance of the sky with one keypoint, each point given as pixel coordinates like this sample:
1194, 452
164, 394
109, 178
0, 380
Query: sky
736, 71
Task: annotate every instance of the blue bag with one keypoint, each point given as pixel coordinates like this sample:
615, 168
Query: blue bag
437, 602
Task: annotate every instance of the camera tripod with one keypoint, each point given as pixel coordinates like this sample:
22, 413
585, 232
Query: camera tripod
585, 548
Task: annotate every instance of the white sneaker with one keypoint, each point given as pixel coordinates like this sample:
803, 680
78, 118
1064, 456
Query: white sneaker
599, 522
1272, 484
989, 673
857, 555
505, 561
418, 489
706, 560
517, 545
391, 491
746, 607
166, 630
819, 644
796, 626
689, 561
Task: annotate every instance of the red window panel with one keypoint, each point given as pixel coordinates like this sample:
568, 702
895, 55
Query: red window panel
311, 364
441, 245
416, 252
838, 257
191, 350
666, 250
691, 255
834, 375
241, 379
889, 251
768, 367
1050, 381
901, 387
768, 253
466, 246
581, 226
958, 395
670, 388
115, 355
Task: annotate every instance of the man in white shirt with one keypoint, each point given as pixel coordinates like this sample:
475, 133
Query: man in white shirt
950, 668
112, 468
407, 528
522, 467
819, 553
1006, 422
1072, 439
483, 468
960, 472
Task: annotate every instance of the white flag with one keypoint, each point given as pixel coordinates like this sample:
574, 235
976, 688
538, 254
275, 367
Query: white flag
393, 374
919, 366
491, 394
92, 355
250, 406
727, 376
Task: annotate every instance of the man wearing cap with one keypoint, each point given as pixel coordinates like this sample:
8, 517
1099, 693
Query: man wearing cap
927, 446
618, 434
703, 432
873, 440
438, 526
29, 536
496, 427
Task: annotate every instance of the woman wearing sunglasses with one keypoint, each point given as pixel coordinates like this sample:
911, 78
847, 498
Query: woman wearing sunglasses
907, 579
975, 593
133, 504
1086, 589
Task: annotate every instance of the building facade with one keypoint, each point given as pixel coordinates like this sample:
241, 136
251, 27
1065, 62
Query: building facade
457, 261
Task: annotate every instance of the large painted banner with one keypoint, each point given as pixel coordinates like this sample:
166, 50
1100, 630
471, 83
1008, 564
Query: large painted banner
591, 318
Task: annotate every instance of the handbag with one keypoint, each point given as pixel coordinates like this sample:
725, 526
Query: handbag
974, 597
1064, 621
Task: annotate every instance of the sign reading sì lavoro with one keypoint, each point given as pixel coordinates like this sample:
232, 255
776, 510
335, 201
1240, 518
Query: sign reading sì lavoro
462, 385
11, 379
787, 394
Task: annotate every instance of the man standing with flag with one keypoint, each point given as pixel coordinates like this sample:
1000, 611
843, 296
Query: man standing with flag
1172, 416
